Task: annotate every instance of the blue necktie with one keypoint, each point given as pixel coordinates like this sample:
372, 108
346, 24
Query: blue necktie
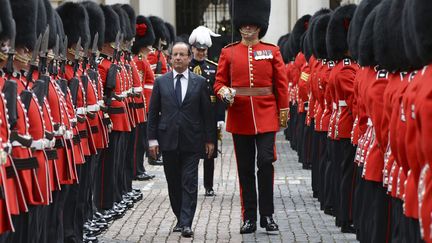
178, 88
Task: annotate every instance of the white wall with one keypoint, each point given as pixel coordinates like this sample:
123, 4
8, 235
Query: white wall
310, 6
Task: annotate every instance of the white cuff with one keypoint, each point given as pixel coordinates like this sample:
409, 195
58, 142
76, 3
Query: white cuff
153, 142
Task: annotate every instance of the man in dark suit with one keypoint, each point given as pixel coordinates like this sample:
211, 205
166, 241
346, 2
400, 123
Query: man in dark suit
180, 126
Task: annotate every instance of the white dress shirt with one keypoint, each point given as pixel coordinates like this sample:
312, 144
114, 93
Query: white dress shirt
183, 80
184, 85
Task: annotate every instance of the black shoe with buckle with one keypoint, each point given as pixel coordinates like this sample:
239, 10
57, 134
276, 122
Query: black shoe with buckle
268, 223
152, 161
248, 227
177, 228
187, 232
209, 192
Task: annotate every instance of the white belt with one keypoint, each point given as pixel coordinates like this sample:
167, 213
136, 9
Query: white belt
137, 90
153, 66
148, 86
369, 122
101, 103
68, 134
39, 144
93, 108
81, 111
334, 106
60, 131
49, 143
122, 95
342, 103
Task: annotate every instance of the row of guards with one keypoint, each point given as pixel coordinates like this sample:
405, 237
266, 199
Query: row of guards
360, 115
74, 82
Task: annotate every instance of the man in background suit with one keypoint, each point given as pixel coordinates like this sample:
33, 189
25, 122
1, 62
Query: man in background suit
180, 126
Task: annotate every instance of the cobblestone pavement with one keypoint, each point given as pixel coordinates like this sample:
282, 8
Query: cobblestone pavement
218, 218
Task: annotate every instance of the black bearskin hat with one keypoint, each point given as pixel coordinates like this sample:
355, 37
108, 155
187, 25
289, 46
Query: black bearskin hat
380, 33
41, 18
112, 23
6, 29
256, 12
319, 36
409, 36
306, 49
132, 17
25, 15
337, 31
96, 21
391, 55
366, 49
299, 29
421, 19
52, 24
171, 32
124, 22
360, 15
59, 30
285, 50
310, 33
75, 22
144, 34
159, 28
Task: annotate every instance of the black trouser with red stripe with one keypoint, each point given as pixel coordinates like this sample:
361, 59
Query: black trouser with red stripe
347, 181
247, 148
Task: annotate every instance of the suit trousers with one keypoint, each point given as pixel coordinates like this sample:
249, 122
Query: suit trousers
248, 149
181, 172
208, 173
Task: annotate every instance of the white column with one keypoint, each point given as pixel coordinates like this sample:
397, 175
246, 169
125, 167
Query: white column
278, 23
162, 8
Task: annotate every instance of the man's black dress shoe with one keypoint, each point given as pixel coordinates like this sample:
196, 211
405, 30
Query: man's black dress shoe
187, 232
209, 192
177, 228
268, 223
144, 177
152, 161
248, 227
348, 229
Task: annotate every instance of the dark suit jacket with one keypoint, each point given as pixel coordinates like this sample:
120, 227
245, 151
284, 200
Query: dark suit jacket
187, 126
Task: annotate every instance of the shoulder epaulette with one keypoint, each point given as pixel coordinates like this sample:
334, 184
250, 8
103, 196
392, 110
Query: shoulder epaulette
412, 75
331, 64
382, 74
210, 61
268, 43
140, 57
232, 44
346, 62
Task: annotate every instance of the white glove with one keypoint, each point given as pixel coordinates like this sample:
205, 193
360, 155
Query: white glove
227, 95
220, 124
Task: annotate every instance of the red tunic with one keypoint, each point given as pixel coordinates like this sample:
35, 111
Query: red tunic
120, 121
138, 88
253, 114
147, 77
153, 58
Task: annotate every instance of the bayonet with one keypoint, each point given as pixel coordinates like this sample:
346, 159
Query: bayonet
33, 61
64, 50
44, 45
77, 55
56, 49
95, 44
53, 69
116, 46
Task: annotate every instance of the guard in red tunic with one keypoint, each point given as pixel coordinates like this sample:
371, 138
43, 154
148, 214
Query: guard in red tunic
144, 39
251, 78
